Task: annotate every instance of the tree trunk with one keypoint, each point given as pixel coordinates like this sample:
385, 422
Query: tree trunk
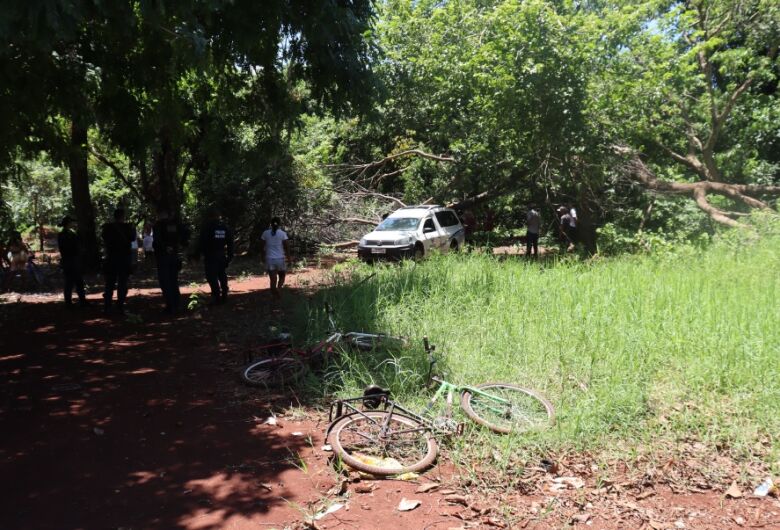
79, 187
165, 168
586, 228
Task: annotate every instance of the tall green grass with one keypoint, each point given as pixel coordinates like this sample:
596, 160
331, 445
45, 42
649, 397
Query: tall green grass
632, 350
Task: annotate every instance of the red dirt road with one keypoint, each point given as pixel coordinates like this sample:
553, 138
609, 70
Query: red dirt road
109, 424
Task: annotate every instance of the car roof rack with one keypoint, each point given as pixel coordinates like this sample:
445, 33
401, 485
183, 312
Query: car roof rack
421, 207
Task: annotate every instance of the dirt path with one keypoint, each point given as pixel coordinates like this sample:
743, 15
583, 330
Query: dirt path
111, 424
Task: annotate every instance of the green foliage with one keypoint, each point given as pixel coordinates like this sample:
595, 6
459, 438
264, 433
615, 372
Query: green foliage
676, 65
38, 195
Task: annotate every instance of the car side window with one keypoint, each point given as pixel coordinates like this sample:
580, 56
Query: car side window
428, 225
446, 218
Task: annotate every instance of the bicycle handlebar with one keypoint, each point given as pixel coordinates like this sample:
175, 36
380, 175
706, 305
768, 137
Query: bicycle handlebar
429, 349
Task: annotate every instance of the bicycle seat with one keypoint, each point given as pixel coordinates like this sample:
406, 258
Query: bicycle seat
373, 396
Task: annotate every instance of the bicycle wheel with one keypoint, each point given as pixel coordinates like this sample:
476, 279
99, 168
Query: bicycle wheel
273, 371
525, 411
406, 446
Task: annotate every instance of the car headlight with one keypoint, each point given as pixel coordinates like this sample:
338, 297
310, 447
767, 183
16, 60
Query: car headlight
362, 241
402, 241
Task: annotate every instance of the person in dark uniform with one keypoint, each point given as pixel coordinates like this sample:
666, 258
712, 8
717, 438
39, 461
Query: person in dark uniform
70, 262
170, 237
118, 236
216, 243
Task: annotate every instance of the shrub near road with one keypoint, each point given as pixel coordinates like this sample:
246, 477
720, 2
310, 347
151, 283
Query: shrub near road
634, 352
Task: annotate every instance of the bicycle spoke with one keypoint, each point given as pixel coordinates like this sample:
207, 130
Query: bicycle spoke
364, 437
506, 408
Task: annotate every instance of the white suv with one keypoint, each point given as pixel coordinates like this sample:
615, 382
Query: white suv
413, 232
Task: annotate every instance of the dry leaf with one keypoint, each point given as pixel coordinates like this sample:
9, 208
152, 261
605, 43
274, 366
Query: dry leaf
734, 492
364, 488
406, 505
657, 525
332, 508
567, 482
581, 517
645, 494
428, 487
339, 489
448, 492
457, 499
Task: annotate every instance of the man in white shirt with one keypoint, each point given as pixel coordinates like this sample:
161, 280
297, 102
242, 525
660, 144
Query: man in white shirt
148, 243
274, 243
533, 221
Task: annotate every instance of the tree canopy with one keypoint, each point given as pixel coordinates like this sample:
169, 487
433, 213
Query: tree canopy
291, 106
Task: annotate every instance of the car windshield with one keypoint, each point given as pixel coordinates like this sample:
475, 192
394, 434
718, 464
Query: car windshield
398, 223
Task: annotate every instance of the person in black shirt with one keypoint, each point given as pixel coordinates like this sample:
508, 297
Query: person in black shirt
118, 237
70, 262
216, 243
170, 237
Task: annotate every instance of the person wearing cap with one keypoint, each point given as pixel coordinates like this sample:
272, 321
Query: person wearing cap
216, 243
566, 228
70, 262
118, 237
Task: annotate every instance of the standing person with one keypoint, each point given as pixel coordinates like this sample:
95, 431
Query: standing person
533, 220
572, 224
275, 247
216, 243
170, 237
148, 243
18, 256
564, 218
118, 237
70, 262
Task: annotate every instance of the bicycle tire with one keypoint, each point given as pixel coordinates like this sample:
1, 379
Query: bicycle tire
272, 371
400, 443
529, 409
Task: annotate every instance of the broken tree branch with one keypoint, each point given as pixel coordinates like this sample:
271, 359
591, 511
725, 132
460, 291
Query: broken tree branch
639, 171
116, 171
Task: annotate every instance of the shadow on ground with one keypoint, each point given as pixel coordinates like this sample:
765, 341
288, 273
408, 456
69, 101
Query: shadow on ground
111, 424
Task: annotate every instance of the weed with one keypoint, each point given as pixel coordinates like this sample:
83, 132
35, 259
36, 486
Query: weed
633, 351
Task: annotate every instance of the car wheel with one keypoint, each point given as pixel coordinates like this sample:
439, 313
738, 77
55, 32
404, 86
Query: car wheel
454, 245
419, 251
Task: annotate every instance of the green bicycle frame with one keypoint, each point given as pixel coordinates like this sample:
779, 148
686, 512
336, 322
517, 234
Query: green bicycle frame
450, 389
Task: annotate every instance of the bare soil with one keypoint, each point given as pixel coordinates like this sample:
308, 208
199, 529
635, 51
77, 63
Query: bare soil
142, 423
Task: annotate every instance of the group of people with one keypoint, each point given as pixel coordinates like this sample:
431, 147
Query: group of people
567, 228
167, 242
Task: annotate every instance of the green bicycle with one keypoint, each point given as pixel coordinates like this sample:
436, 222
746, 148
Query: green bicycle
395, 440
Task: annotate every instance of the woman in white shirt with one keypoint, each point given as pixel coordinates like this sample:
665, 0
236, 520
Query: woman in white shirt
274, 243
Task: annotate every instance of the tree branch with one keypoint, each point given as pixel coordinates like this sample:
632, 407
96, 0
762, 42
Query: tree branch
117, 172
355, 220
360, 169
689, 160
184, 176
639, 171
720, 118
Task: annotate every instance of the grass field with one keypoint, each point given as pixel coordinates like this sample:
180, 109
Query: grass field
632, 351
